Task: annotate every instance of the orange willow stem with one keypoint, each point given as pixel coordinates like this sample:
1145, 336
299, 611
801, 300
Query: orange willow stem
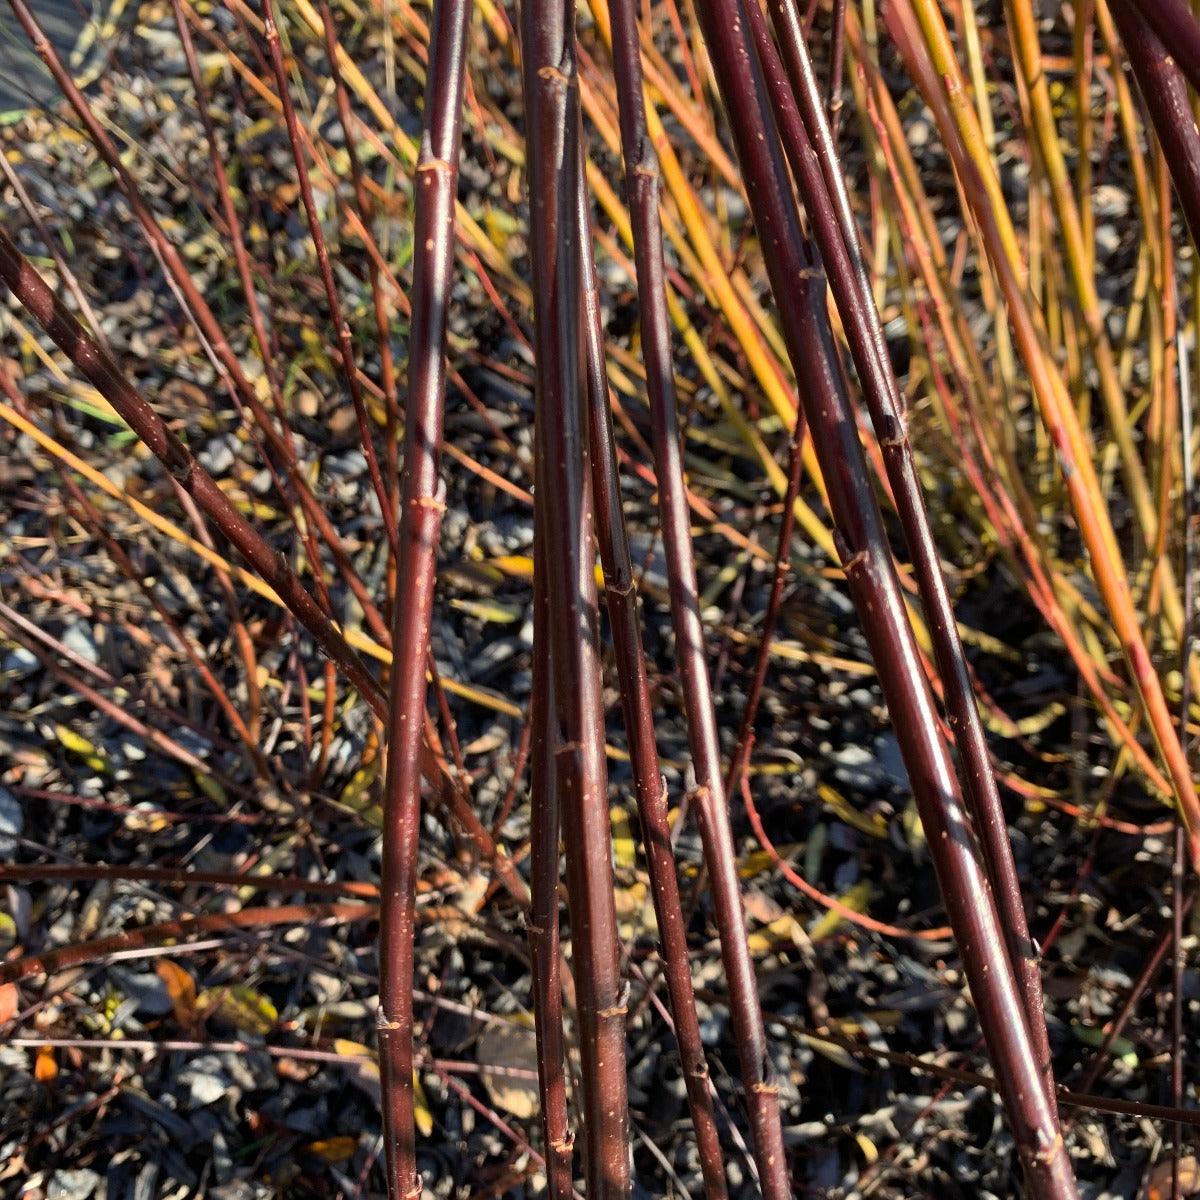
1070, 443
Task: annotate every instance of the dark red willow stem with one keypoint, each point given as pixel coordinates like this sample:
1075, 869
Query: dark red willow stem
55, 248
1176, 26
976, 1079
387, 368
197, 308
422, 504
799, 290
642, 190
739, 762
837, 59
344, 337
117, 713
103, 373
157, 935
94, 520
1165, 94
545, 944
280, 444
809, 145
183, 877
650, 787
160, 243
99, 368
1101, 1056
569, 620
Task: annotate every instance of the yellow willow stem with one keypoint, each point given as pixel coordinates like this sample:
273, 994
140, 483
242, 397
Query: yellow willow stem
766, 369
354, 637
1074, 451
812, 524
1091, 666
1029, 53
1127, 113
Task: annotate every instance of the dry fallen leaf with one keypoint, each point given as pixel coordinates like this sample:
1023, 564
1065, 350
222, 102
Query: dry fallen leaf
181, 988
239, 1006
9, 1002
45, 1067
509, 1046
1160, 1179
334, 1149
422, 1113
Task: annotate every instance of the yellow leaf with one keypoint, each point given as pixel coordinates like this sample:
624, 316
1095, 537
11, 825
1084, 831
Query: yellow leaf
518, 565
828, 923
239, 1006
914, 831
354, 794
869, 1152
782, 932
334, 1149
500, 227
349, 1049
78, 744
360, 1062
421, 1113
755, 862
873, 826
489, 611
624, 842
73, 741
181, 987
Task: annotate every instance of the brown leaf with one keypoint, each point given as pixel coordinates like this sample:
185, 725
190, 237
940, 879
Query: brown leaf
507, 1046
1160, 1179
181, 987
